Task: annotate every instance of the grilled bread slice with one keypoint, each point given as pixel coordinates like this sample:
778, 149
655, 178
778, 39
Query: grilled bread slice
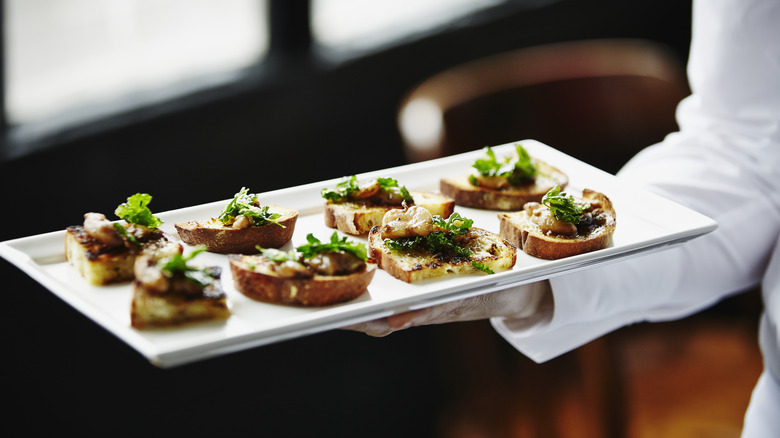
359, 217
260, 279
594, 231
414, 245
104, 252
161, 300
224, 239
510, 198
100, 263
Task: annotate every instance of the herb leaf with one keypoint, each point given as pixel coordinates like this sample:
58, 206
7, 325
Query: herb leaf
314, 247
390, 184
343, 190
524, 169
563, 206
277, 255
245, 204
130, 238
136, 211
177, 264
517, 170
455, 223
442, 241
348, 187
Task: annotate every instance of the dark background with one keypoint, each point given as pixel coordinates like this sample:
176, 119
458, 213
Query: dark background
297, 120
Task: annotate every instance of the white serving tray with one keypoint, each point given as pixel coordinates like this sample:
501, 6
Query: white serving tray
645, 223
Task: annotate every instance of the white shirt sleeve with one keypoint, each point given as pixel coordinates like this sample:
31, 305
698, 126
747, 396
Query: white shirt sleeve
724, 163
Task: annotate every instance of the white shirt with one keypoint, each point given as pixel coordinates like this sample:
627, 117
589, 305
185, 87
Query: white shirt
724, 163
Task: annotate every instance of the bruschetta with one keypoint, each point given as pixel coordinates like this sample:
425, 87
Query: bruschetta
355, 208
242, 226
561, 225
413, 245
503, 184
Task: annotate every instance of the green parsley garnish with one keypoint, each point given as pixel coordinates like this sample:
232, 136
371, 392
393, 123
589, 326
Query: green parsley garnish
277, 255
123, 232
343, 190
245, 204
442, 241
314, 247
455, 223
563, 206
517, 170
136, 211
349, 186
177, 264
391, 185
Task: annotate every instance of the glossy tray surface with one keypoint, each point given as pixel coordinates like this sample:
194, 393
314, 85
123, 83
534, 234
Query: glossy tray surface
645, 223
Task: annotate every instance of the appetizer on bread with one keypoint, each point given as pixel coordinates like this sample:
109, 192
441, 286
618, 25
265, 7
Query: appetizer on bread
561, 225
244, 225
412, 245
314, 274
171, 292
355, 209
504, 184
104, 252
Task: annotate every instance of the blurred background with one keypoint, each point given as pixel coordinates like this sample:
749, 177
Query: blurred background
189, 100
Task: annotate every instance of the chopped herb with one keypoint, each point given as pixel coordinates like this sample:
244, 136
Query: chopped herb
349, 187
130, 238
247, 205
390, 185
177, 264
454, 224
314, 247
517, 170
277, 255
440, 242
563, 206
524, 169
343, 190
136, 211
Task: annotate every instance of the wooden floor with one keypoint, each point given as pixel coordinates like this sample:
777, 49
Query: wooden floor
687, 378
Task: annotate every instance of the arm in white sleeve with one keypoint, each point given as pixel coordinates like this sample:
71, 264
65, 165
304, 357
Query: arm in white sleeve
723, 163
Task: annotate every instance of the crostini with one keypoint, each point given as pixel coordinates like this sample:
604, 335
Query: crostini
242, 226
171, 291
104, 252
413, 245
504, 184
314, 274
561, 225
354, 209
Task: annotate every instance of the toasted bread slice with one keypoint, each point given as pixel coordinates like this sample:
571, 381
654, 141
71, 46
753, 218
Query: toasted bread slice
156, 310
177, 305
252, 280
520, 229
225, 240
358, 218
487, 248
509, 199
100, 264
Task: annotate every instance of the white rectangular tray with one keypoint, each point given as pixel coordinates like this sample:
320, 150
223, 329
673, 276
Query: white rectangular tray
645, 223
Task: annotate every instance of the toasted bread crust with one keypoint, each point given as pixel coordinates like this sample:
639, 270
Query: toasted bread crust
518, 228
150, 309
511, 199
318, 291
358, 218
101, 265
488, 248
226, 240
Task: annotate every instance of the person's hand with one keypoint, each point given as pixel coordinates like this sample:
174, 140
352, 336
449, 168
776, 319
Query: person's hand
516, 303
